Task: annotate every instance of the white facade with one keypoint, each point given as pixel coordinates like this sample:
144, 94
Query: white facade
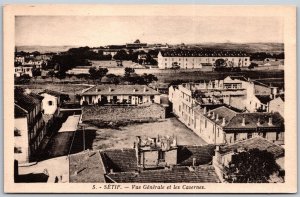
21, 143
21, 70
185, 62
49, 104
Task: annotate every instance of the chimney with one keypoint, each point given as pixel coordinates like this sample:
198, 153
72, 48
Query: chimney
194, 161
217, 148
223, 122
96, 89
138, 140
27, 91
208, 113
111, 171
204, 110
109, 89
213, 115
217, 117
243, 122
270, 123
134, 90
258, 122
145, 89
154, 141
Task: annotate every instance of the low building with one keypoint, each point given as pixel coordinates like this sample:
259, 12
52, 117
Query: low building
226, 126
225, 154
120, 94
22, 70
20, 59
29, 125
187, 59
136, 45
52, 101
277, 105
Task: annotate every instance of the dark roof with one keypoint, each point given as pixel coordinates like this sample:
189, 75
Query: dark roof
53, 93
202, 154
110, 89
178, 174
251, 120
252, 143
19, 112
263, 98
27, 101
222, 112
242, 78
202, 53
120, 160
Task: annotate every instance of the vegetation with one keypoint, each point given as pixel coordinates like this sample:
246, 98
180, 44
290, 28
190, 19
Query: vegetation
97, 74
253, 166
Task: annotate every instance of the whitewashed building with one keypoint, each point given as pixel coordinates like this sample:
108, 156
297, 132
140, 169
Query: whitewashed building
29, 126
188, 59
120, 94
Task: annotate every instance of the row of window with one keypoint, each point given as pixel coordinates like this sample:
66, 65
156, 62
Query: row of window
206, 59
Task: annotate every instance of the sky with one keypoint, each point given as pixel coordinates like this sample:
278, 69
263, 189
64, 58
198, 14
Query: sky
106, 30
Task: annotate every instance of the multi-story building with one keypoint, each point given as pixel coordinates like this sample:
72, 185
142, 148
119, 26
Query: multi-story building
188, 59
234, 99
226, 126
120, 94
29, 128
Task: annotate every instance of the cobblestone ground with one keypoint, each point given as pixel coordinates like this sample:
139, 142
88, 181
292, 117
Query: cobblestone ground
125, 137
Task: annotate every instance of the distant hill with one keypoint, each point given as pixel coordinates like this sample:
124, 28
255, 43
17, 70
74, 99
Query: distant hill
44, 49
247, 47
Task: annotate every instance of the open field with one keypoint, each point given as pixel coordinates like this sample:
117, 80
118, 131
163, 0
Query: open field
125, 136
199, 75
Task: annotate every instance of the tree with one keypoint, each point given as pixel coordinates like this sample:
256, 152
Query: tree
97, 74
51, 74
61, 74
23, 79
253, 166
128, 71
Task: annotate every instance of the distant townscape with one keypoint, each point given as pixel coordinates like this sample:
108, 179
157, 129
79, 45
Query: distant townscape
150, 113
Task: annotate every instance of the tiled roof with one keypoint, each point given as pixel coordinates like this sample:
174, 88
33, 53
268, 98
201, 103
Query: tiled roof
252, 143
53, 93
202, 53
199, 174
234, 119
86, 168
19, 112
251, 120
242, 78
26, 101
110, 89
202, 154
120, 160
222, 112
263, 98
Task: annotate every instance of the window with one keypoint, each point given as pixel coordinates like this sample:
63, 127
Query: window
249, 135
166, 64
50, 103
161, 155
17, 132
246, 59
18, 150
205, 124
218, 132
166, 59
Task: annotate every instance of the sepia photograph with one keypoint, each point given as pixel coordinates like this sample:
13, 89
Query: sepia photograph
134, 99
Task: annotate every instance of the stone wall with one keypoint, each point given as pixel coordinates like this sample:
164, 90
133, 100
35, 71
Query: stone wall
119, 113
